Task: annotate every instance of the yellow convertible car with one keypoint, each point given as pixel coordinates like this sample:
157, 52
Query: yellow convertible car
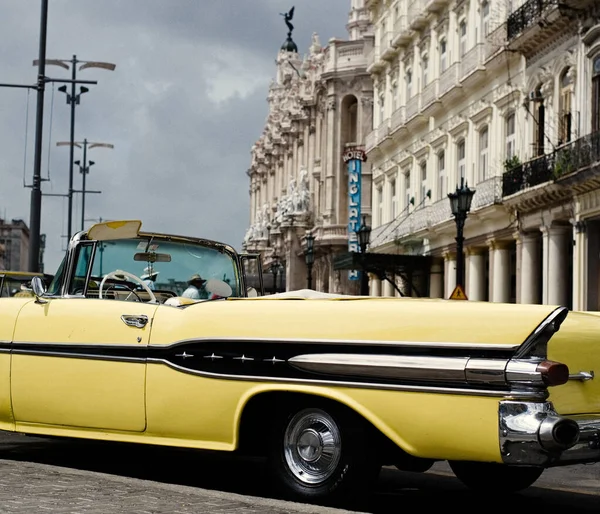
156, 339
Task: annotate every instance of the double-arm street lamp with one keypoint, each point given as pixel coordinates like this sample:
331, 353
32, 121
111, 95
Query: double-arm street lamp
309, 257
364, 237
460, 203
74, 99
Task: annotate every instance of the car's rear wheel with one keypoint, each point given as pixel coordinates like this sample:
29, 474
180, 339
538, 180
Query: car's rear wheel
492, 477
322, 454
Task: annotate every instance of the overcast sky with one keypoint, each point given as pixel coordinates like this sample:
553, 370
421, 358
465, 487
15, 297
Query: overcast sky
183, 107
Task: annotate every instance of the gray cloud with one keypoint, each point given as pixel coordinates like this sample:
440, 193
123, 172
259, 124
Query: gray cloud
183, 107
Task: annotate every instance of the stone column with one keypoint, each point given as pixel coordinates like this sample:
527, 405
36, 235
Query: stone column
477, 284
500, 253
555, 255
388, 288
449, 273
330, 189
375, 289
528, 276
436, 281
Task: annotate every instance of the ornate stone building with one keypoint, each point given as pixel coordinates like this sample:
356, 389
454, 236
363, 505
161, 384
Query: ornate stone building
503, 96
319, 105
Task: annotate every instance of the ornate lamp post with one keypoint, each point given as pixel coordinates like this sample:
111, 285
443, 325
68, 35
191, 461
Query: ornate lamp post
309, 257
364, 236
460, 203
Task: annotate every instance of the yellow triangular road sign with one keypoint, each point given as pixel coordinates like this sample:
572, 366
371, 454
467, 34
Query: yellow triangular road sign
458, 294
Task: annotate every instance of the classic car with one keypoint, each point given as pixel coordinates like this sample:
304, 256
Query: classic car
17, 282
327, 387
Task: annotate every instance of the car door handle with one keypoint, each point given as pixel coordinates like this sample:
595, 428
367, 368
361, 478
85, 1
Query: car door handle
133, 320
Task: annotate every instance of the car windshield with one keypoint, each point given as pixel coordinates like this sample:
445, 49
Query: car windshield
168, 264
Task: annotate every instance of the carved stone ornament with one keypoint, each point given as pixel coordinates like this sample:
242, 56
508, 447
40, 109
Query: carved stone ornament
331, 103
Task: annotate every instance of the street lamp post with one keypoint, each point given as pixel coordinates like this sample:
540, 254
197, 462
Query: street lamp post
364, 236
74, 99
309, 257
84, 169
460, 203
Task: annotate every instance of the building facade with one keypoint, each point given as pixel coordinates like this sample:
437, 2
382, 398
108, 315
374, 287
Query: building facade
14, 245
494, 95
319, 107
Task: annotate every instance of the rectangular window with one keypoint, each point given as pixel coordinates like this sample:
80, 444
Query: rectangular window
394, 97
596, 95
485, 19
443, 56
424, 71
462, 31
381, 108
483, 153
380, 205
510, 136
394, 200
423, 181
441, 165
407, 189
461, 159
408, 84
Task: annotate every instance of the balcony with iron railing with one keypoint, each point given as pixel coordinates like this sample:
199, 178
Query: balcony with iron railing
537, 22
570, 164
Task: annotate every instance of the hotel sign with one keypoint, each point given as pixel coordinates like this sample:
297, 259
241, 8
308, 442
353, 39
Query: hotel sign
353, 158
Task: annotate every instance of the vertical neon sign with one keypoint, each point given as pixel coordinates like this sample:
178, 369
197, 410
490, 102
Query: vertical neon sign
354, 158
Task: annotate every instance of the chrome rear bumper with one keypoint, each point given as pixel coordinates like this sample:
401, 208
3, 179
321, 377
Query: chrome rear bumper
533, 434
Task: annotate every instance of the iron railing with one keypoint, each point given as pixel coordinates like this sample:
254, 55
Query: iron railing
569, 158
525, 16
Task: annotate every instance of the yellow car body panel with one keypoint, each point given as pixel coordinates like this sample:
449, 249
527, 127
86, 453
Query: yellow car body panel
382, 319
578, 344
69, 388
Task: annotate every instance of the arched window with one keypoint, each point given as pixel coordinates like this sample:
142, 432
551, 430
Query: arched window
484, 137
565, 100
596, 94
539, 122
441, 171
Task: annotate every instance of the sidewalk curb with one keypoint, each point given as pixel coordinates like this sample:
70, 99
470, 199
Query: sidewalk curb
255, 501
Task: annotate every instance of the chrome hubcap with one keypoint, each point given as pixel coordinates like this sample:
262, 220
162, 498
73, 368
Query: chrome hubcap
312, 446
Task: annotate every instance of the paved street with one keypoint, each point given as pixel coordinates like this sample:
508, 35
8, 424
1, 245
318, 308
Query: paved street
52, 475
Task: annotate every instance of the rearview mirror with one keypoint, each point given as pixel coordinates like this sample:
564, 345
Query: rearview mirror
152, 257
39, 289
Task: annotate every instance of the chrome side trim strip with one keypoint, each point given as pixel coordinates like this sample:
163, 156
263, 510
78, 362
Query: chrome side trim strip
75, 355
510, 395
435, 369
524, 371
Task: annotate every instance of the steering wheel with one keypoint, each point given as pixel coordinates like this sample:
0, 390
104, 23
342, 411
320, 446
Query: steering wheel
118, 272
